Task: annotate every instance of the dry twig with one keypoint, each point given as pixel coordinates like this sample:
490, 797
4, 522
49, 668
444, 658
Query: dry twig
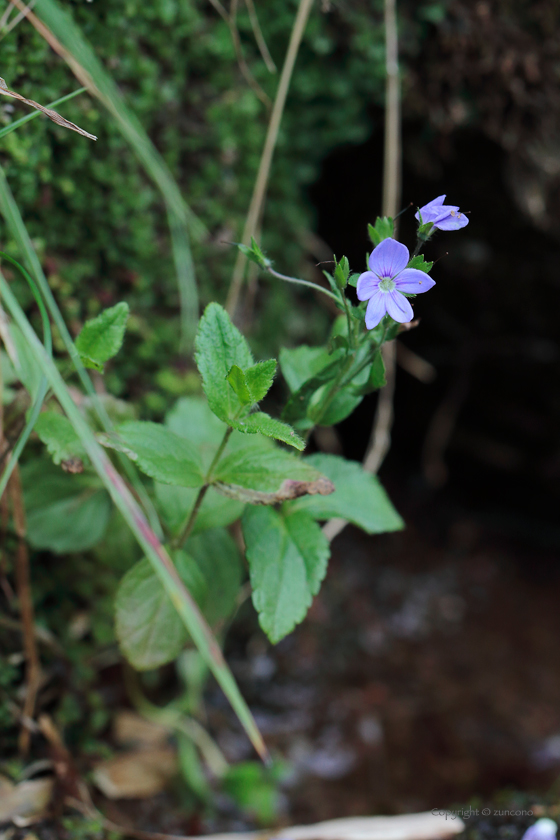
52, 115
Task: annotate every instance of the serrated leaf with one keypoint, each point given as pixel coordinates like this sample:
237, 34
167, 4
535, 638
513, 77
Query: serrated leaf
268, 426
420, 263
267, 477
175, 504
219, 346
161, 454
236, 378
358, 497
259, 378
287, 556
101, 338
58, 435
384, 228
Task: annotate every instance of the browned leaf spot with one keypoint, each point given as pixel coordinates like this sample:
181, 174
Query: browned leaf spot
72, 465
52, 115
289, 489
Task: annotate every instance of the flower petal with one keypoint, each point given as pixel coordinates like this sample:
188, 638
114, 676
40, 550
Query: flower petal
367, 285
389, 258
376, 309
430, 208
455, 222
413, 281
398, 307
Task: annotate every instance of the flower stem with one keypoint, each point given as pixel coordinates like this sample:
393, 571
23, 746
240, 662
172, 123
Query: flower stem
303, 283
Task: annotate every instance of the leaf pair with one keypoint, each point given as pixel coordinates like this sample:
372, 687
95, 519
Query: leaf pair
232, 382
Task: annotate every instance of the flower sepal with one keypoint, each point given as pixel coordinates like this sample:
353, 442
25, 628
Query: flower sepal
425, 231
254, 253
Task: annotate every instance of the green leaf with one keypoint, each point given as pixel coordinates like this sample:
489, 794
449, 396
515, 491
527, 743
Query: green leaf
375, 377
287, 556
219, 562
266, 472
219, 346
58, 435
384, 228
353, 280
101, 338
236, 378
341, 272
255, 789
420, 263
268, 426
296, 410
174, 504
254, 253
358, 497
302, 363
159, 453
149, 629
24, 363
259, 379
65, 513
425, 230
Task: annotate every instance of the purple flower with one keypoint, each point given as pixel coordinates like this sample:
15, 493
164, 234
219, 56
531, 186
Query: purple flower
388, 278
442, 216
543, 829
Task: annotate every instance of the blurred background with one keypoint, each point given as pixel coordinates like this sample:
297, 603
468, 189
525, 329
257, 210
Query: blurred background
427, 672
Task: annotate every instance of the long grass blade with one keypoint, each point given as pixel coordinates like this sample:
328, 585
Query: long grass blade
43, 385
10, 211
153, 549
59, 29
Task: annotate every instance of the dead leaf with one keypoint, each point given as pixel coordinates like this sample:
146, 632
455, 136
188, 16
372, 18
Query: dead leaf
289, 489
52, 115
72, 465
26, 802
136, 775
131, 728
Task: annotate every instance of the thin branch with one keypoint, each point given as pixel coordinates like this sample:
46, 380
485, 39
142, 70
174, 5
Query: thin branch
259, 191
23, 587
259, 38
243, 66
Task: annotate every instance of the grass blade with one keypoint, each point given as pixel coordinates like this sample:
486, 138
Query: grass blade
65, 37
10, 211
153, 549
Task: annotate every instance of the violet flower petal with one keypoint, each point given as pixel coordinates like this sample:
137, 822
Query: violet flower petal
376, 309
398, 307
455, 221
367, 285
389, 258
413, 281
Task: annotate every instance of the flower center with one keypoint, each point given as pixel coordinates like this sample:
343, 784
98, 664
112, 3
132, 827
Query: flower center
387, 284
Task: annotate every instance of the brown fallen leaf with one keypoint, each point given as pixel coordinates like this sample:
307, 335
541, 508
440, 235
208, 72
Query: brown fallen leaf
26, 802
130, 728
138, 774
289, 489
52, 115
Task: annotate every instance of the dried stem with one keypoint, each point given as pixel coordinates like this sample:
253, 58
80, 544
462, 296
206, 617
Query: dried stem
229, 19
259, 191
23, 587
259, 38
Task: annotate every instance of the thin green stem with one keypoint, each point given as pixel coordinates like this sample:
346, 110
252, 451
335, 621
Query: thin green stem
12, 127
186, 532
300, 282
